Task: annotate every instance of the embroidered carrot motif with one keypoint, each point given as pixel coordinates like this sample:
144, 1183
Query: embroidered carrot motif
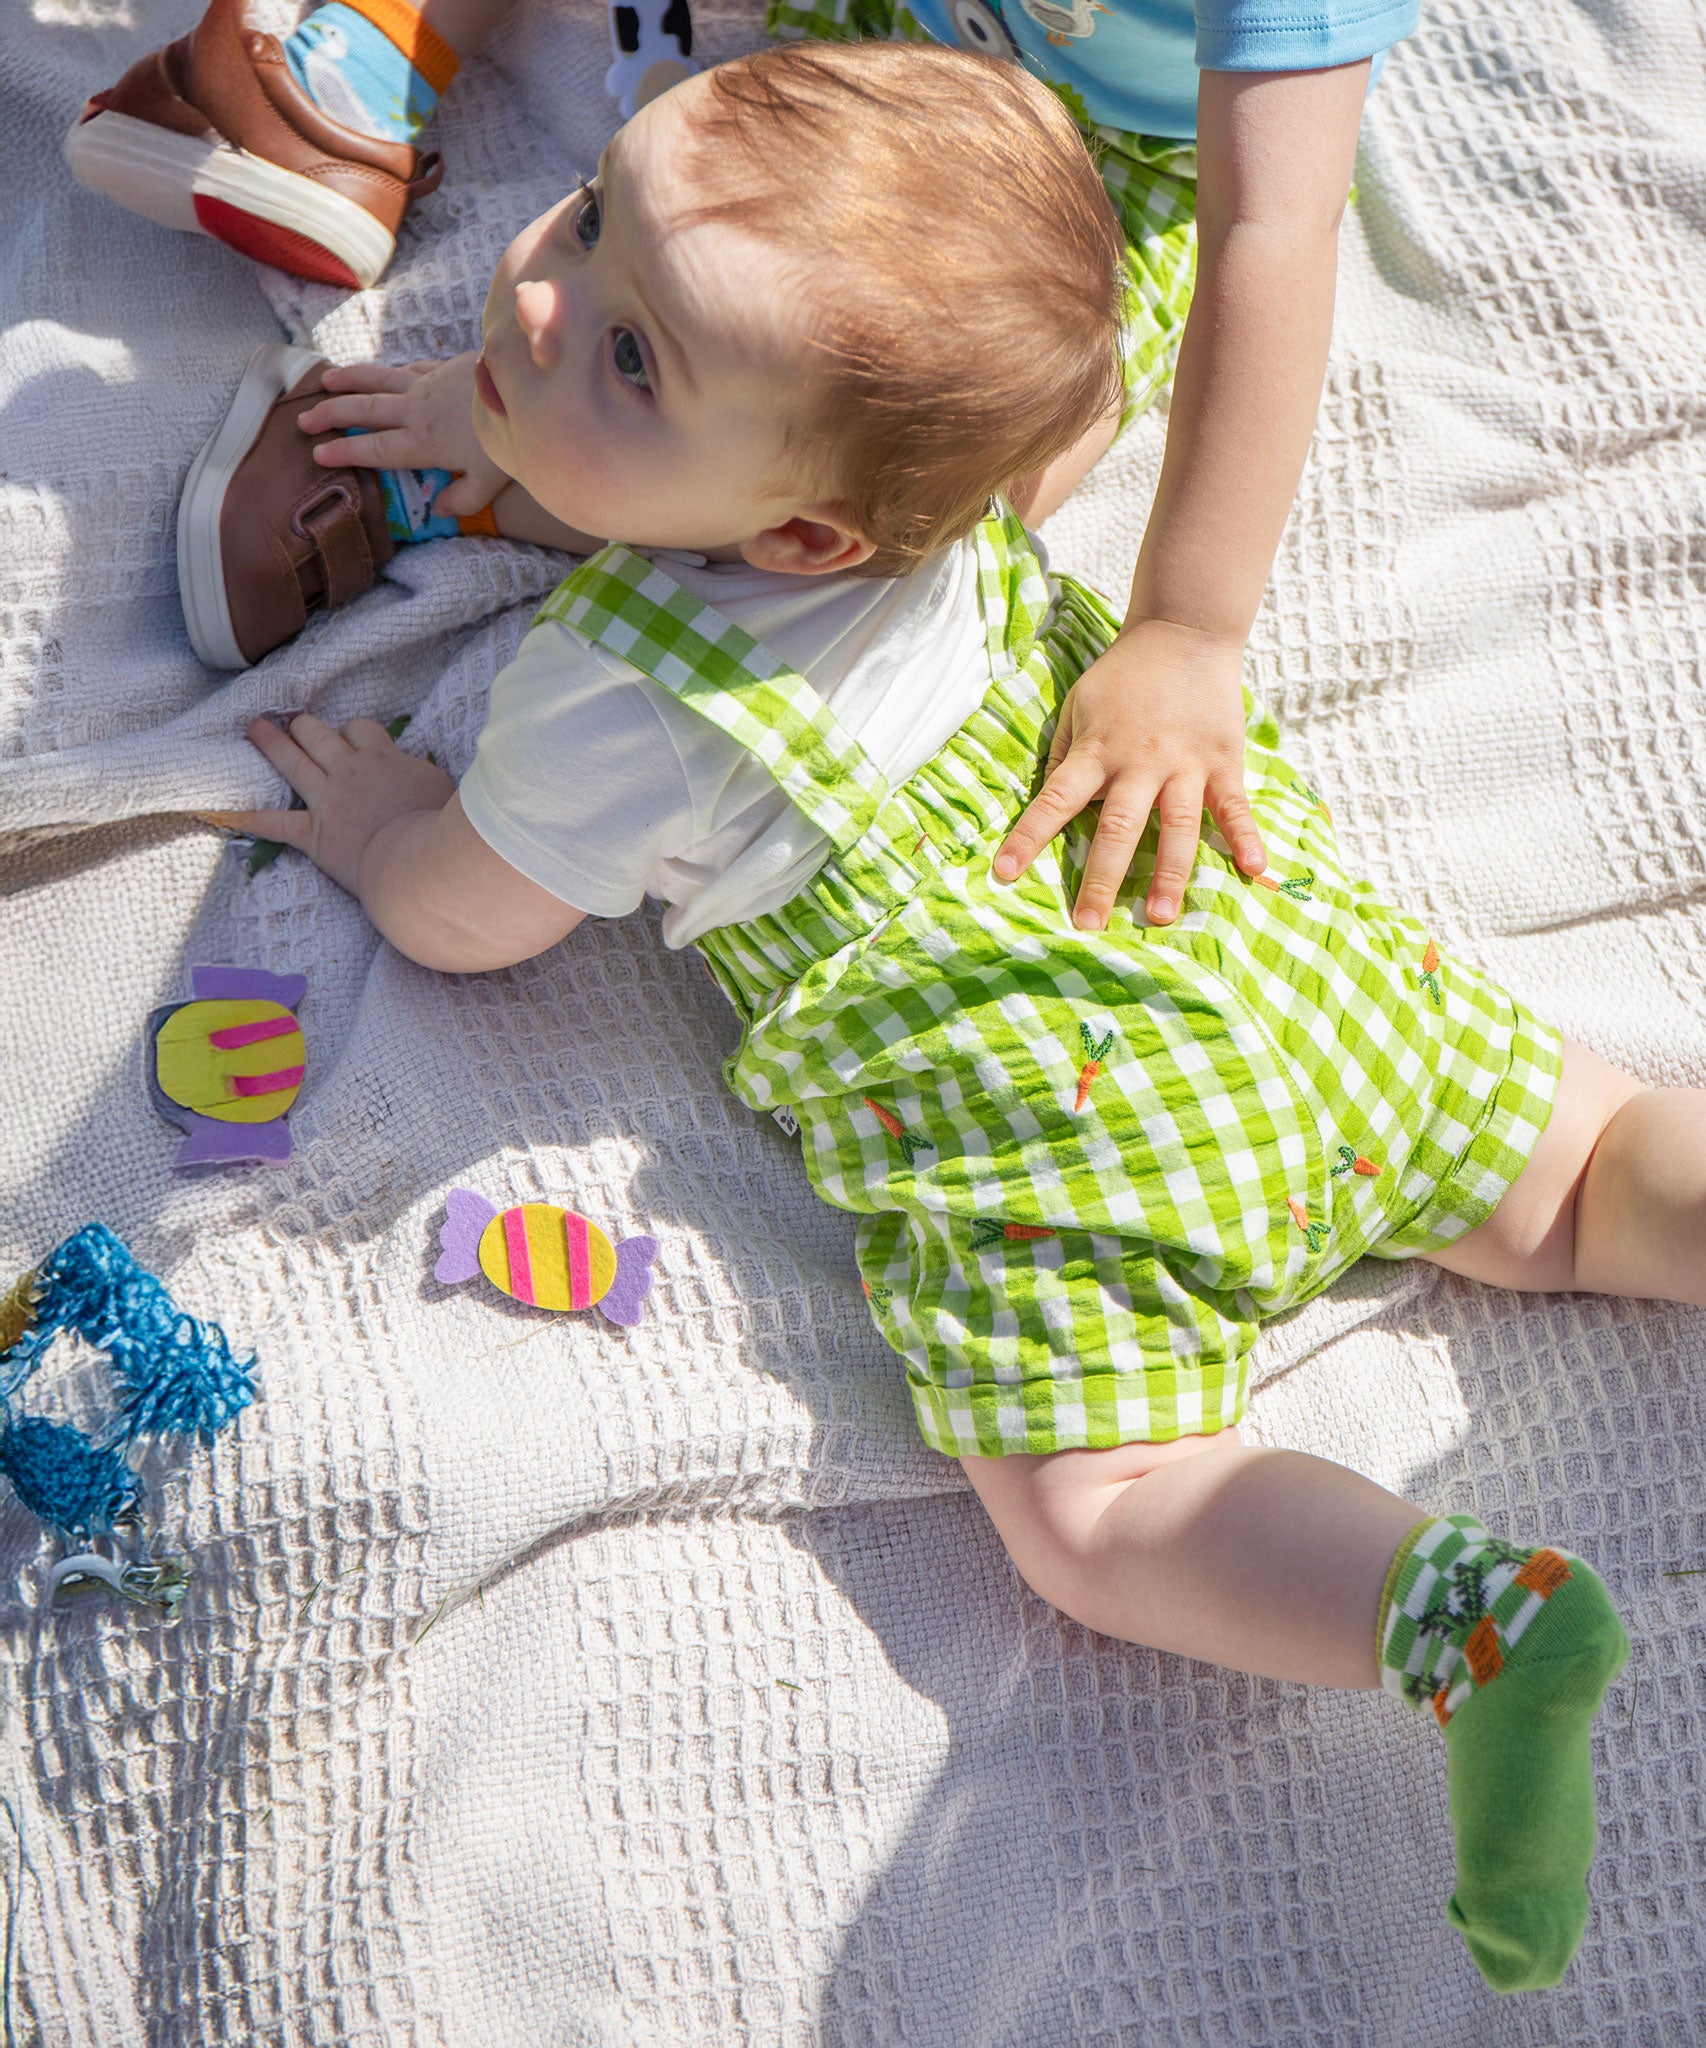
1429, 976
879, 1296
909, 1145
1315, 798
1354, 1162
1297, 887
1097, 1049
986, 1231
1314, 1234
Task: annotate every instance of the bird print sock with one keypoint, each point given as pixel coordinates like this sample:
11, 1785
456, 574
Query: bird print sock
410, 498
1513, 1649
372, 65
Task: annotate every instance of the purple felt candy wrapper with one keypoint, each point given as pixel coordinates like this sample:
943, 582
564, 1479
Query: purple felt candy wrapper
626, 1294
466, 1215
247, 984
213, 1143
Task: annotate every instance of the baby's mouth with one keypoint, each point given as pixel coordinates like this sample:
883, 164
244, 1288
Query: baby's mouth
483, 384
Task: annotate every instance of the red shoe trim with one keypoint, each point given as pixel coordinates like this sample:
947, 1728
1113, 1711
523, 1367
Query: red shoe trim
266, 242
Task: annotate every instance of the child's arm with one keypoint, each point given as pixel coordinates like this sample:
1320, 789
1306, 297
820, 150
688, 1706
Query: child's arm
388, 827
1158, 722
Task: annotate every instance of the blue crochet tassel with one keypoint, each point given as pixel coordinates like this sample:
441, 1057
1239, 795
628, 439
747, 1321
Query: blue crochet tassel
176, 1376
171, 1374
65, 1480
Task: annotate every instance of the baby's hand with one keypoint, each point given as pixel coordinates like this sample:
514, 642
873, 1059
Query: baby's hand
1156, 723
417, 416
354, 782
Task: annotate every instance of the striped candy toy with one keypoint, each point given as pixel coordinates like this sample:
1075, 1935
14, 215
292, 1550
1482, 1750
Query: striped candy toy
227, 1065
545, 1256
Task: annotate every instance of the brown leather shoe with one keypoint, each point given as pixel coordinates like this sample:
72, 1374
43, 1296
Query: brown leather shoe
213, 135
265, 534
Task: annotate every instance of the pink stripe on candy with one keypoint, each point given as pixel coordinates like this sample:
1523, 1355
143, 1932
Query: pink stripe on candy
520, 1265
235, 1036
268, 1084
580, 1259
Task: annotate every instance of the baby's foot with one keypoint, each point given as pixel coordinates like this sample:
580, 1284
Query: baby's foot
214, 134
265, 534
1513, 1649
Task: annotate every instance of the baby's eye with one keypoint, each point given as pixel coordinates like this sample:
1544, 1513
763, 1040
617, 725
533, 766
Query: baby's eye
587, 222
630, 360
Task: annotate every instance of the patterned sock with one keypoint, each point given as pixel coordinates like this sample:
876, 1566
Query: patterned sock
372, 65
409, 495
1513, 1650
409, 498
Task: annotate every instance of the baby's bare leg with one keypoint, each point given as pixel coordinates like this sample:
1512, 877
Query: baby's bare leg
465, 24
1286, 1565
1262, 1560
1613, 1200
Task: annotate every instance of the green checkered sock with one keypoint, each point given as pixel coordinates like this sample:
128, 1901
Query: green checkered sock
1513, 1650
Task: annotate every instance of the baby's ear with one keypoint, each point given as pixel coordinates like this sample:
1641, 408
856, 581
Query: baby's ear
815, 542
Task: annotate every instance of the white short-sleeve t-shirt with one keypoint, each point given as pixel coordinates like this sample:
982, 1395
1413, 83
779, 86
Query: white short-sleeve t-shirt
599, 785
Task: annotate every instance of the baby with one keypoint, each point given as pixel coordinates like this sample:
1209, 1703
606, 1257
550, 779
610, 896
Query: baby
818, 309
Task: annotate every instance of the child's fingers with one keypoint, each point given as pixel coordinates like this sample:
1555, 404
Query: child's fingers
363, 409
1181, 808
315, 738
369, 377
1228, 805
367, 732
1077, 781
1125, 812
388, 450
283, 753
472, 492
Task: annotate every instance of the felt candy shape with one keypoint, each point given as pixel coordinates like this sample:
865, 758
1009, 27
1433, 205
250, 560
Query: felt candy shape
226, 1066
544, 1255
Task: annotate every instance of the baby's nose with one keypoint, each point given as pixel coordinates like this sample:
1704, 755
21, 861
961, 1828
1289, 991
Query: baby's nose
538, 313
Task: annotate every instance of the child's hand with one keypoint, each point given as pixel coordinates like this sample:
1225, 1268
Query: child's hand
354, 782
1156, 724
417, 416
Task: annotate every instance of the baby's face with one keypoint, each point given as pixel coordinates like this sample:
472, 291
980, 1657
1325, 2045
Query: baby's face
636, 376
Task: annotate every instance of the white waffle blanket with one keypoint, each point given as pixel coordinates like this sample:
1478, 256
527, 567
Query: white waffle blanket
475, 1731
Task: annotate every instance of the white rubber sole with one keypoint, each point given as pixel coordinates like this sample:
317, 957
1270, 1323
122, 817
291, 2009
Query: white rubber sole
161, 174
273, 368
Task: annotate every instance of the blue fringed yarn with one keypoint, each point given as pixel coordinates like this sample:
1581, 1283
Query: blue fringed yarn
174, 1377
64, 1479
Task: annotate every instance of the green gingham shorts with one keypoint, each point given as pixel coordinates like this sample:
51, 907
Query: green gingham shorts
1086, 1166
1151, 180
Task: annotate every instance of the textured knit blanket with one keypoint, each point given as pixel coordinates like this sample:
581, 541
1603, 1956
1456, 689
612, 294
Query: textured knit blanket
546, 1684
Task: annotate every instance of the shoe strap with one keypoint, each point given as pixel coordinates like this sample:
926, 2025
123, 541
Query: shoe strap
331, 524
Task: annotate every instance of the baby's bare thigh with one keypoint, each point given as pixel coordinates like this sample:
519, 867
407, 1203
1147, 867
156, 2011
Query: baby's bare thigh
1529, 1241
1046, 1506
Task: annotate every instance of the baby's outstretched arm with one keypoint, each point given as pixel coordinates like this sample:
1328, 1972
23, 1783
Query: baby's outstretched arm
387, 827
1157, 723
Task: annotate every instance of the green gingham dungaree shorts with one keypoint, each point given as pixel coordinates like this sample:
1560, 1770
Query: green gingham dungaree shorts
1085, 1165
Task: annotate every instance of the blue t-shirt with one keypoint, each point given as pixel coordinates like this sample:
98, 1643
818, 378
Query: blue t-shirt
1133, 63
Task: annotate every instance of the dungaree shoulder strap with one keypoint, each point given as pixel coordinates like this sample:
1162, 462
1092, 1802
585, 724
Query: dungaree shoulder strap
636, 611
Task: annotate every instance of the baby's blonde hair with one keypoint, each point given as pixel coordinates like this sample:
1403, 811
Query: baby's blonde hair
963, 261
